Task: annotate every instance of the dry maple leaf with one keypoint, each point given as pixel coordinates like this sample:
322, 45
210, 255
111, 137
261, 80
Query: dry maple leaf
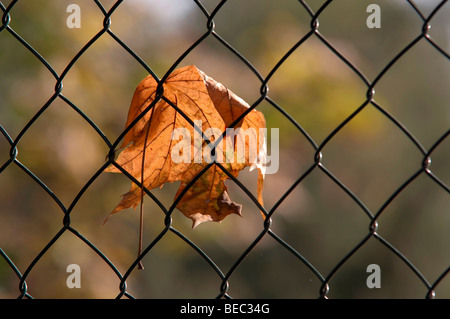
149, 145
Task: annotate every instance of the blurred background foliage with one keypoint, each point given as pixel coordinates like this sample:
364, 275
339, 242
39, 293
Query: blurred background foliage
370, 155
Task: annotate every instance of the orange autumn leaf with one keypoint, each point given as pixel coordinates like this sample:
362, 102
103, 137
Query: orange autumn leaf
149, 146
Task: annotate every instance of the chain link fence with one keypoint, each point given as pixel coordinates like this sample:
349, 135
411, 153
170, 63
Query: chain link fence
322, 254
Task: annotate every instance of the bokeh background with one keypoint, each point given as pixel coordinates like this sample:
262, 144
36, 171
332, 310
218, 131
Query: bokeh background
371, 156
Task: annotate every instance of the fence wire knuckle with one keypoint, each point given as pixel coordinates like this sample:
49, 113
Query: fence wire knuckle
318, 163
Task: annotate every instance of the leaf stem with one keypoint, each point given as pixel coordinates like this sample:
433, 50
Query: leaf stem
141, 208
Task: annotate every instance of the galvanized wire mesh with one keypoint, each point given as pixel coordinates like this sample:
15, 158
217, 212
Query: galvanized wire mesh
424, 35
